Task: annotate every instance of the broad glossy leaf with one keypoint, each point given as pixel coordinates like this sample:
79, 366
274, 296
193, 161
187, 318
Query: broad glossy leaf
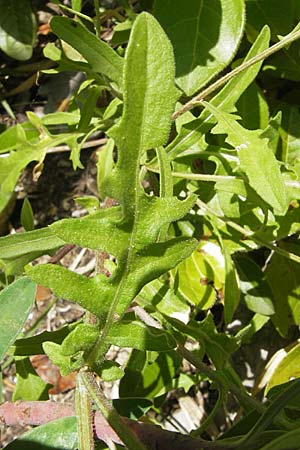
205, 36
149, 378
284, 279
16, 302
258, 295
140, 336
201, 274
286, 66
52, 435
29, 385
192, 131
158, 295
280, 16
286, 370
17, 29
100, 56
256, 159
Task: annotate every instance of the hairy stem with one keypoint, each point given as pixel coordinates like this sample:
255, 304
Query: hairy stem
288, 39
110, 414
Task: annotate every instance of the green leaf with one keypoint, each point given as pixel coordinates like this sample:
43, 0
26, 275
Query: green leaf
284, 279
158, 295
201, 274
110, 371
52, 434
149, 378
131, 231
256, 159
205, 36
231, 288
134, 408
100, 56
286, 370
17, 29
137, 335
33, 345
65, 364
253, 108
27, 217
280, 16
20, 244
16, 302
29, 385
258, 295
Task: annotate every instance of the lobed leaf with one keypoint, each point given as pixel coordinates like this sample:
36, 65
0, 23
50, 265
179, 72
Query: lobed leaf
256, 159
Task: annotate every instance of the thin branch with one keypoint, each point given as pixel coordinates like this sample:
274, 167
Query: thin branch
288, 39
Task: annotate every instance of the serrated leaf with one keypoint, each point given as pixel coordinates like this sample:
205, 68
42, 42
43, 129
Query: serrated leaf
256, 159
140, 336
205, 35
94, 294
100, 56
16, 302
130, 231
17, 29
65, 364
192, 131
19, 244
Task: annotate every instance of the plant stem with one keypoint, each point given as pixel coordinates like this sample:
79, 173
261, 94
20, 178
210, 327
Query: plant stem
110, 414
288, 39
83, 408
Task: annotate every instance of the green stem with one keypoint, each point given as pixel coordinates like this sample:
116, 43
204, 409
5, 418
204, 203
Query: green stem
110, 414
83, 408
246, 400
288, 39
